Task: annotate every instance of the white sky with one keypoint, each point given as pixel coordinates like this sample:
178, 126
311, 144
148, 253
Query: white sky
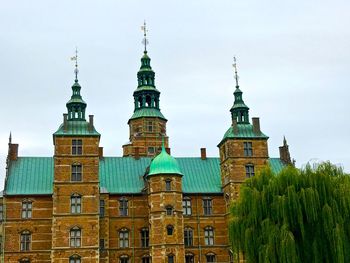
293, 60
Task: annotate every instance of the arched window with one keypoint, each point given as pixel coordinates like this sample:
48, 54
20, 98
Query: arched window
146, 259
209, 236
24, 260
124, 238
170, 230
75, 204
75, 237
75, 259
210, 257
171, 258
169, 210
123, 206
189, 258
25, 240
124, 259
188, 237
27, 207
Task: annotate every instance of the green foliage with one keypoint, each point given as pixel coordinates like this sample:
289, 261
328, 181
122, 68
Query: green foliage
295, 216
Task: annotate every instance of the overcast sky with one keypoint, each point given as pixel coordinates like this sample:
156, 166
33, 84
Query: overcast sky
293, 61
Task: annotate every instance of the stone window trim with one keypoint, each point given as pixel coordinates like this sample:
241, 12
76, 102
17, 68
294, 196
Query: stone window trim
210, 257
209, 236
76, 172
123, 206
76, 203
75, 259
77, 147
207, 206
170, 230
144, 237
168, 184
25, 240
124, 259
187, 206
169, 210
24, 260
189, 257
123, 237
27, 209
248, 149
188, 236
75, 236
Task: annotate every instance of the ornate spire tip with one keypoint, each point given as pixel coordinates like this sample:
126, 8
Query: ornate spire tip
75, 58
145, 40
235, 68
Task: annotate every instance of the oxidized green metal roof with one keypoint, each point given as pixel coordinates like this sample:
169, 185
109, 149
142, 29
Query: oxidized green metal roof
164, 163
140, 88
276, 165
147, 112
245, 131
118, 175
76, 128
30, 175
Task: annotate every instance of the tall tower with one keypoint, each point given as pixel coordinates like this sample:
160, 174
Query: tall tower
166, 215
243, 149
147, 124
75, 222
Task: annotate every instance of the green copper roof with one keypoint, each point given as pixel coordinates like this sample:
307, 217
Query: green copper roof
276, 165
76, 128
118, 175
147, 112
30, 175
164, 163
245, 131
147, 88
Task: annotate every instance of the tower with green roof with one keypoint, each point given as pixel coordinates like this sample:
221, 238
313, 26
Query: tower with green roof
166, 220
75, 198
147, 124
243, 149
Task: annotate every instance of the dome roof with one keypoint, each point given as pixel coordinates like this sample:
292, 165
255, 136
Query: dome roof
163, 163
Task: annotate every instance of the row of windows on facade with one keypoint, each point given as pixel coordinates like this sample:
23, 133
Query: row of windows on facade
76, 207
189, 258
75, 237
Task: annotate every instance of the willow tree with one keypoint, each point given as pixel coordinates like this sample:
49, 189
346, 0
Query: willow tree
295, 216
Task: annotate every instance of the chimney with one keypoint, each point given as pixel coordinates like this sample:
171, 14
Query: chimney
256, 126
65, 118
137, 153
100, 152
168, 151
91, 122
234, 126
13, 152
203, 153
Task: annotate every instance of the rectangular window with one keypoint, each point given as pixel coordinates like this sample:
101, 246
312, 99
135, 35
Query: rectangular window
75, 237
248, 149
209, 236
167, 185
75, 204
151, 150
144, 237
123, 207
188, 237
186, 206
249, 171
124, 260
207, 206
26, 209
1, 212
189, 259
102, 208
146, 260
77, 147
210, 258
150, 126
170, 259
25, 241
123, 238
76, 172
102, 244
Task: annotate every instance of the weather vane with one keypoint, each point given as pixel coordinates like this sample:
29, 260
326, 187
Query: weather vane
145, 40
235, 67
75, 58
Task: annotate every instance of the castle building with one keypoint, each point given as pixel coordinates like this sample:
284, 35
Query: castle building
80, 206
